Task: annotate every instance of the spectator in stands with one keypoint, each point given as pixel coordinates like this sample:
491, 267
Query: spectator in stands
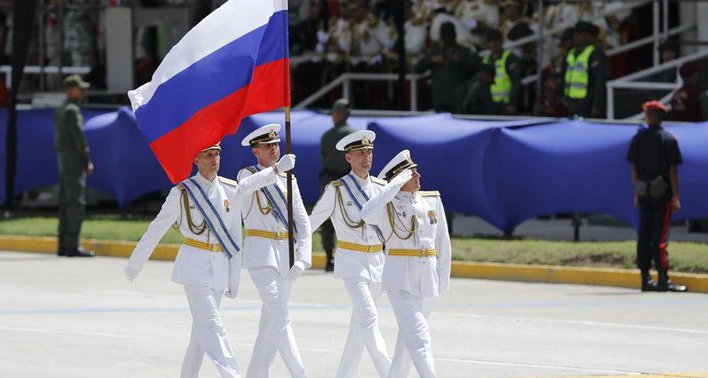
585, 72
442, 14
685, 103
514, 19
452, 65
507, 77
668, 52
550, 102
478, 99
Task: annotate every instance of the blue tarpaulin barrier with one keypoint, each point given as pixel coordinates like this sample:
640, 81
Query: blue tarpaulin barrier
502, 171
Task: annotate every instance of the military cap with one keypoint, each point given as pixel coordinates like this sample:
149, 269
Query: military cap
263, 135
398, 164
587, 27
214, 147
342, 105
358, 140
72, 81
653, 105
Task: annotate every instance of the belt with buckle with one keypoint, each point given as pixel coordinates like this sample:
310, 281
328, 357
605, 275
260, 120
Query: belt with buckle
267, 234
360, 247
202, 245
413, 252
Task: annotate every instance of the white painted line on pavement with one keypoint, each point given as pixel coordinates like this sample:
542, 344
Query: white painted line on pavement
537, 366
100, 334
575, 322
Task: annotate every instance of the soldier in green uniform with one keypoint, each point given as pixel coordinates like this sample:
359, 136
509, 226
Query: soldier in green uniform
74, 165
334, 166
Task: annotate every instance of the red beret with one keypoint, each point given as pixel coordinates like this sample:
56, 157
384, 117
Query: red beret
653, 105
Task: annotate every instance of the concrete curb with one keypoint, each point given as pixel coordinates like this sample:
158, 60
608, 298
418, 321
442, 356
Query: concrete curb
697, 283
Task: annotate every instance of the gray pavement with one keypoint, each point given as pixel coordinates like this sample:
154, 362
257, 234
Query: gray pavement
63, 317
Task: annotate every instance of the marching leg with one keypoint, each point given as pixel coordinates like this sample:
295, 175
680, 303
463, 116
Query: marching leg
210, 331
413, 327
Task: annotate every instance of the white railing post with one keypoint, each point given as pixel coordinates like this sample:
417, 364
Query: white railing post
610, 101
656, 33
347, 87
414, 93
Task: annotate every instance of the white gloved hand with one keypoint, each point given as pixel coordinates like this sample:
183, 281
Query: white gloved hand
130, 273
231, 293
296, 271
402, 178
286, 163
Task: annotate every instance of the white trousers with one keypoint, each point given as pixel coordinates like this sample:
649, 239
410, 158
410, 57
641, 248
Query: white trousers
413, 342
275, 332
208, 334
363, 330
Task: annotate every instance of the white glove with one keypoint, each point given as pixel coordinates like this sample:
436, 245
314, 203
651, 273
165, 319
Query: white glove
286, 163
402, 178
130, 273
231, 293
296, 271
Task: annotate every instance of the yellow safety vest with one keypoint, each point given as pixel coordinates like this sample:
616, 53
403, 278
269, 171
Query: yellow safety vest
577, 77
501, 88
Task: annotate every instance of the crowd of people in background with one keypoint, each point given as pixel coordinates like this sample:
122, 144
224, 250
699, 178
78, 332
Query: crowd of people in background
460, 42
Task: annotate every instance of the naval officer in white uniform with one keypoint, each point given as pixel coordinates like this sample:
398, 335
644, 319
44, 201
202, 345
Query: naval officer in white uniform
418, 259
359, 261
266, 255
203, 264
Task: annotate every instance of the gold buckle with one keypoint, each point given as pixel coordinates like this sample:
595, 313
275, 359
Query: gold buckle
280, 235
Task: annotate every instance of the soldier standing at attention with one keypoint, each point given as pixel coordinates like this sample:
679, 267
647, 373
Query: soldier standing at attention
74, 166
655, 156
334, 166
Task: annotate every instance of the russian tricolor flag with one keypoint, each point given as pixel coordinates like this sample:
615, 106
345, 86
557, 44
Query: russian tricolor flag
234, 63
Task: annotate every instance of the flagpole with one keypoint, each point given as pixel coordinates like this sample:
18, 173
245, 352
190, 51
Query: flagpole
288, 148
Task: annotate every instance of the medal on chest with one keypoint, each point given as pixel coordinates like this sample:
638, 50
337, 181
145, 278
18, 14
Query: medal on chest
432, 217
227, 205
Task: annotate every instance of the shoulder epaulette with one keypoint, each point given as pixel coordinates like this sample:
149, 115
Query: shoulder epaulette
379, 181
283, 174
430, 193
226, 181
336, 183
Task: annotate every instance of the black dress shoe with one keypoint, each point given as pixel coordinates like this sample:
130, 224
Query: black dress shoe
649, 285
329, 267
81, 252
61, 252
670, 286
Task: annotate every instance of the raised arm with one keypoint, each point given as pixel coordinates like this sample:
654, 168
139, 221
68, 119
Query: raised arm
374, 210
250, 183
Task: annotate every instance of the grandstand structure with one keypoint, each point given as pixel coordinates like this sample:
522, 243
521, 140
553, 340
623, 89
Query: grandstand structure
351, 49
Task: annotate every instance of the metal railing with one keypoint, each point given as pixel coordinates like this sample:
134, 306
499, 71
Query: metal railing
53, 70
346, 80
627, 82
655, 39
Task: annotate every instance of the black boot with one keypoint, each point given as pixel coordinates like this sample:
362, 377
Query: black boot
665, 284
80, 252
670, 286
648, 284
